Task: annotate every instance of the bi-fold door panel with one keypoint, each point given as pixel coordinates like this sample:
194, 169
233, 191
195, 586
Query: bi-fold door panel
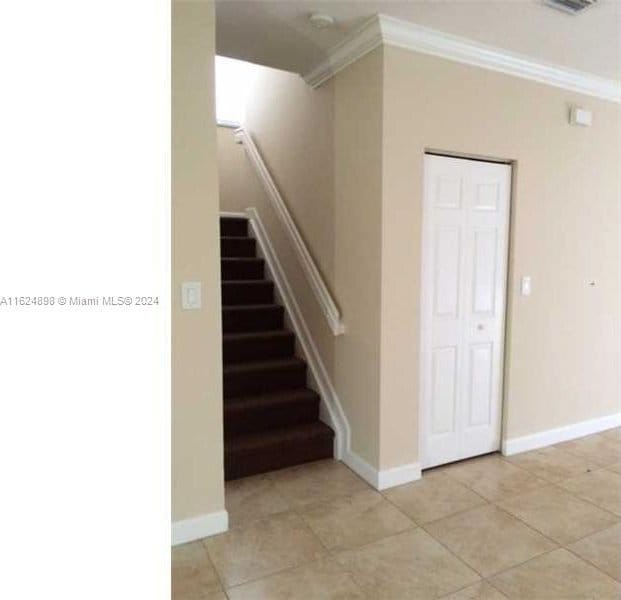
465, 231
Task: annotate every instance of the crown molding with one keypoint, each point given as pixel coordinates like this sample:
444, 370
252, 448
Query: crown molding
381, 29
352, 48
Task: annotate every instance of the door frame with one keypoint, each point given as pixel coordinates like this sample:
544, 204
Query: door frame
425, 293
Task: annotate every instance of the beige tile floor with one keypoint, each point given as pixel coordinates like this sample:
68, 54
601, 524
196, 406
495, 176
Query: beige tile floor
543, 524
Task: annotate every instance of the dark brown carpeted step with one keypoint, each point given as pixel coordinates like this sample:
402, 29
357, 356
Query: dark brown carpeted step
252, 317
262, 345
237, 246
241, 268
233, 226
264, 377
254, 453
247, 292
247, 414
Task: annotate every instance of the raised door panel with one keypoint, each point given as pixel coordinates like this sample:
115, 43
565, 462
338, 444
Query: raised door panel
443, 390
481, 377
484, 281
446, 271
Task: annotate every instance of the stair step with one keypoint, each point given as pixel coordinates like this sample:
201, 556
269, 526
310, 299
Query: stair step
237, 246
253, 453
262, 377
247, 292
233, 226
239, 347
248, 414
252, 317
242, 268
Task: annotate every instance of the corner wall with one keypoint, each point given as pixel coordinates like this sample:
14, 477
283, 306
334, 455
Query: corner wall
197, 441
358, 247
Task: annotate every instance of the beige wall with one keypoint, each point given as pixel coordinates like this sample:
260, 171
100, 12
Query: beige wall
292, 126
358, 237
563, 341
197, 463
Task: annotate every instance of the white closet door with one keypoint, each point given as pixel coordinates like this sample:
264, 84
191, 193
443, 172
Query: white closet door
465, 245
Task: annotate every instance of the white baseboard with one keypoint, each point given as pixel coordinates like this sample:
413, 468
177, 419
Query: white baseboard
381, 480
360, 467
199, 527
398, 475
331, 411
559, 434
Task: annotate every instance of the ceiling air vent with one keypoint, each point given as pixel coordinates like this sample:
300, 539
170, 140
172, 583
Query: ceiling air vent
570, 6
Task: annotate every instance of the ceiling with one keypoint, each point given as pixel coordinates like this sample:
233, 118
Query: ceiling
277, 33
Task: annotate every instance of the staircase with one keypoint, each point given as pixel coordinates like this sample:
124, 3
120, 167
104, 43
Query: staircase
271, 419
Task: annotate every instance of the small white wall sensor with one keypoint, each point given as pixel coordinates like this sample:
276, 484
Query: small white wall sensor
580, 116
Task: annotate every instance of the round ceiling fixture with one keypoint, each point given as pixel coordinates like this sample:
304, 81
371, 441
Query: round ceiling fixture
321, 21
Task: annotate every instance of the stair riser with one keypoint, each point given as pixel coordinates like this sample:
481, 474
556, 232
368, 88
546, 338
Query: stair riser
237, 248
235, 351
236, 321
242, 420
264, 381
277, 456
242, 269
233, 227
236, 294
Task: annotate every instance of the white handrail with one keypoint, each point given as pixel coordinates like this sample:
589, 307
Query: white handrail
316, 282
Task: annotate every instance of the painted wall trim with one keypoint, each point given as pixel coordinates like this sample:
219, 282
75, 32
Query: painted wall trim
382, 479
560, 434
331, 410
229, 124
233, 214
381, 29
315, 280
199, 527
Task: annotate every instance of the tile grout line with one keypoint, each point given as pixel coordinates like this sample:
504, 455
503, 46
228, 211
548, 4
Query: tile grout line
297, 512
576, 495
213, 565
553, 483
560, 544
494, 503
270, 575
487, 503
332, 554
224, 587
586, 560
421, 526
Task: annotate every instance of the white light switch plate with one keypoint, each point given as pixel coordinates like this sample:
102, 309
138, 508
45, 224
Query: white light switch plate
526, 286
191, 296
